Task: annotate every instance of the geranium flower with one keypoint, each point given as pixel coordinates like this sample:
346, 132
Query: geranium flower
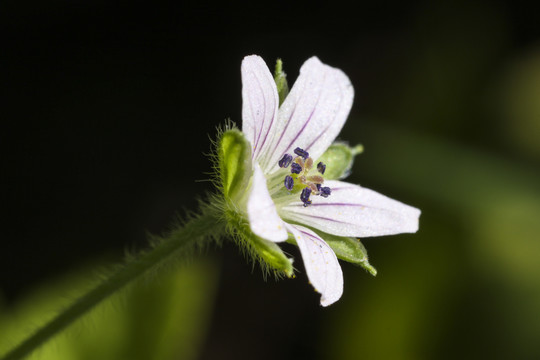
291, 191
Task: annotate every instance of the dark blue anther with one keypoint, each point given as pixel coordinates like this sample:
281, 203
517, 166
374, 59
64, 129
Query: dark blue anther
321, 167
289, 182
325, 191
304, 196
285, 161
301, 152
295, 168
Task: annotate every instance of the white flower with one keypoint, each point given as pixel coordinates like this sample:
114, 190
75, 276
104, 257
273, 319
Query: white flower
306, 124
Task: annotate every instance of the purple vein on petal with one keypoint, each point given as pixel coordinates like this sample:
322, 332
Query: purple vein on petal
250, 99
270, 127
311, 236
255, 146
329, 219
328, 204
334, 189
288, 122
301, 205
310, 115
303, 127
329, 123
316, 240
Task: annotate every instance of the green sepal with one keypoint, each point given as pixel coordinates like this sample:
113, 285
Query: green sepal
339, 158
349, 249
234, 153
281, 81
267, 253
272, 255
235, 169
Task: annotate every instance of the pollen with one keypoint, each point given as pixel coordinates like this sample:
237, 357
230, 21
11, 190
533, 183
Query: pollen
300, 167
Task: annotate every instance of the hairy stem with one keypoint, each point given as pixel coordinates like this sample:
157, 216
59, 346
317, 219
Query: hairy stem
175, 246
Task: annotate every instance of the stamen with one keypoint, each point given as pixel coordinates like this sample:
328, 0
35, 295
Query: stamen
309, 164
295, 168
317, 179
301, 152
325, 191
304, 196
301, 165
285, 161
321, 167
289, 182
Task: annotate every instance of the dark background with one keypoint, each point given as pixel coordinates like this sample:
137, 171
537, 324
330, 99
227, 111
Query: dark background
108, 109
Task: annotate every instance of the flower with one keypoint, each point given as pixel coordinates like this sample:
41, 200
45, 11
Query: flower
284, 195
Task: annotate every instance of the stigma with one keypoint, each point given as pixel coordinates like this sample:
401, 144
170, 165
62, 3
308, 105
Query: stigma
300, 167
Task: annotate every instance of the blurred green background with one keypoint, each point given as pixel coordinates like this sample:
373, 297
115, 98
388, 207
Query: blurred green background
108, 109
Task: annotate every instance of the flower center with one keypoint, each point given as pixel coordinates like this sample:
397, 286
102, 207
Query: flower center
300, 167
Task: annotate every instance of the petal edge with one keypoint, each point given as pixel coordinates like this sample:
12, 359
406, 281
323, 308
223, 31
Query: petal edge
321, 264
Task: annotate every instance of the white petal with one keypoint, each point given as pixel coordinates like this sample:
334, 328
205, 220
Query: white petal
352, 210
321, 263
263, 217
313, 113
260, 103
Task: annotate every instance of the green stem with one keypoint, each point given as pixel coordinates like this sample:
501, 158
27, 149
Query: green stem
176, 245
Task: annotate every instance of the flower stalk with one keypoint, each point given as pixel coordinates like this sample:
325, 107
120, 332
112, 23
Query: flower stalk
175, 247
